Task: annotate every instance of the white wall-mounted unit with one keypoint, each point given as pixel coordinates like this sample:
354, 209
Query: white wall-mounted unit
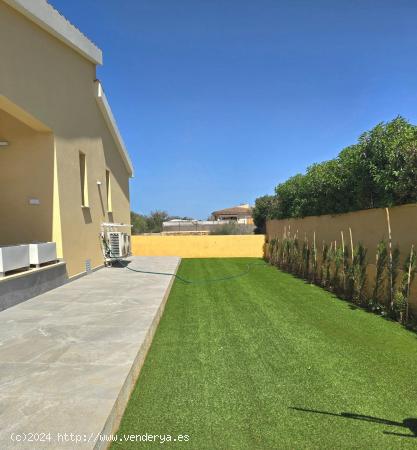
41, 253
13, 257
119, 244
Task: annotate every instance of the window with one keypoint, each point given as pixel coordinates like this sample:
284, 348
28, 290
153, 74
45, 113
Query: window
83, 180
108, 191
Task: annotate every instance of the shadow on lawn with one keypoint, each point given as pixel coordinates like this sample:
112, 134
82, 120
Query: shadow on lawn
409, 423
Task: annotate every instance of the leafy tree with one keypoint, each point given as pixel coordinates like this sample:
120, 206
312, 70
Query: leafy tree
148, 224
261, 211
390, 156
292, 198
139, 223
155, 220
379, 170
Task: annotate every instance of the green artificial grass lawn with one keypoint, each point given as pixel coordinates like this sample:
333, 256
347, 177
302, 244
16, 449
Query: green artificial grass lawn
232, 361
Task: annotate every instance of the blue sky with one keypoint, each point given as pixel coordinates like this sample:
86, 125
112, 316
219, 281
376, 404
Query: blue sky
220, 100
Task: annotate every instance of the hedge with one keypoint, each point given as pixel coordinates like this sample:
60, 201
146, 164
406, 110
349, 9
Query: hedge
380, 170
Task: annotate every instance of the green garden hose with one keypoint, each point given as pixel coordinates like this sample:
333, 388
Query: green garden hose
184, 280
178, 277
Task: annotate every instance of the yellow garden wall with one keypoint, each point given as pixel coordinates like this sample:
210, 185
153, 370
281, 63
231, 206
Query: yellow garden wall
199, 246
368, 227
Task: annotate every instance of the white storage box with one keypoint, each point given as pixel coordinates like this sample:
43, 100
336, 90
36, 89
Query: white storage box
13, 257
41, 253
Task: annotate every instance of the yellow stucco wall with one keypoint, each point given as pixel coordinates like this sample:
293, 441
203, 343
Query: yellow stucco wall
26, 173
199, 246
48, 86
368, 227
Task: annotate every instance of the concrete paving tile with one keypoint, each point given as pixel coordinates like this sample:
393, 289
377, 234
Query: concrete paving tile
97, 333
52, 419
42, 306
69, 358
21, 315
46, 345
14, 329
109, 306
61, 380
114, 353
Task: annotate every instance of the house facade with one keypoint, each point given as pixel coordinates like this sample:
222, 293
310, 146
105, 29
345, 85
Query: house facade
240, 214
64, 169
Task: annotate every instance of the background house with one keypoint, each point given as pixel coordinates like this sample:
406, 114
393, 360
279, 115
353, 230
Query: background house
64, 168
240, 214
239, 218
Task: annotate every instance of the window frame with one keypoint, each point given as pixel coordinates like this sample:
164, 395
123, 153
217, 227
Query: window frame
82, 159
109, 203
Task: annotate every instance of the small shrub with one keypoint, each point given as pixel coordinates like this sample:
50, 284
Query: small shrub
313, 264
381, 271
358, 274
295, 256
393, 267
338, 266
348, 277
345, 271
325, 265
402, 295
400, 306
306, 260
329, 265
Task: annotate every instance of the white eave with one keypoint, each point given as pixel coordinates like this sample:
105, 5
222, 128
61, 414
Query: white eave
48, 18
111, 123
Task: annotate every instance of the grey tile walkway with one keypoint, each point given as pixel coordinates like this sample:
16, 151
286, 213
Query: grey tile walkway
69, 358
